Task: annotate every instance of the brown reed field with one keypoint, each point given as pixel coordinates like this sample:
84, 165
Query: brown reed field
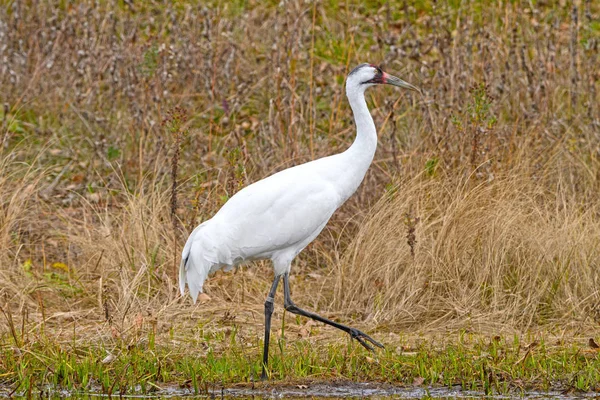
125, 124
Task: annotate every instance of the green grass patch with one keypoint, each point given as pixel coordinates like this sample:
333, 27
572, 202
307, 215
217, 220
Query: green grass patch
498, 365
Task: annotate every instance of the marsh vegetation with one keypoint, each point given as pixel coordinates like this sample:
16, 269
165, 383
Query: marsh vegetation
479, 216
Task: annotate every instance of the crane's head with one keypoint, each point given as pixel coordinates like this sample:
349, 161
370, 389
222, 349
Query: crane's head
367, 75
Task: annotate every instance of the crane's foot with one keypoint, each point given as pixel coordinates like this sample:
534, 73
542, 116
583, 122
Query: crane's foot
362, 338
264, 376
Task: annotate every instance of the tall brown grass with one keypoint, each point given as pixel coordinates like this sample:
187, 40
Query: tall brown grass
493, 174
489, 254
19, 187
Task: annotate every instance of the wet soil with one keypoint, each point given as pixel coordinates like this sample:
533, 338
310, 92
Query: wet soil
320, 390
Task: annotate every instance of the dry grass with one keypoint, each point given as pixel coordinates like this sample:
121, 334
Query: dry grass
18, 189
493, 175
488, 255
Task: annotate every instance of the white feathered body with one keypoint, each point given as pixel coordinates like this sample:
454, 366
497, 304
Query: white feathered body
276, 217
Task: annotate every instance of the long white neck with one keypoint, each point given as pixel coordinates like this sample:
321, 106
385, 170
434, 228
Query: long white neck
355, 161
365, 144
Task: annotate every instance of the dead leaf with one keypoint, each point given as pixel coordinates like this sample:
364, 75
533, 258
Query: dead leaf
139, 321
93, 197
115, 332
304, 332
418, 381
532, 345
77, 178
310, 323
203, 298
109, 358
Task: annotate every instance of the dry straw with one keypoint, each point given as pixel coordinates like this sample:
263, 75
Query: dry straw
491, 178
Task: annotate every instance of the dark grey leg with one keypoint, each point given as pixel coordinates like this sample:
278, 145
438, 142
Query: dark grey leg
268, 312
354, 333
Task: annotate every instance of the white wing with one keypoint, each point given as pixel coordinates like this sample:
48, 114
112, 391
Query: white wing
275, 213
278, 215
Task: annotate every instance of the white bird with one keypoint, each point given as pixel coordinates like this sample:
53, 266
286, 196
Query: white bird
277, 217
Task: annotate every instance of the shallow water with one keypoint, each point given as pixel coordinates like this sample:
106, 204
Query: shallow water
322, 391
378, 392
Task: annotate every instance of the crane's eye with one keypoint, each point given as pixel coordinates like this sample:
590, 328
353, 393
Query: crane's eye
378, 78
377, 68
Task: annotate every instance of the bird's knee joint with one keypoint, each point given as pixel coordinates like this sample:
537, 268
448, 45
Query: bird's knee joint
269, 307
269, 304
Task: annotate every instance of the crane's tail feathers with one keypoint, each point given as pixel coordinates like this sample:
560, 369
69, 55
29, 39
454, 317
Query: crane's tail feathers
194, 267
192, 273
188, 273
182, 275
